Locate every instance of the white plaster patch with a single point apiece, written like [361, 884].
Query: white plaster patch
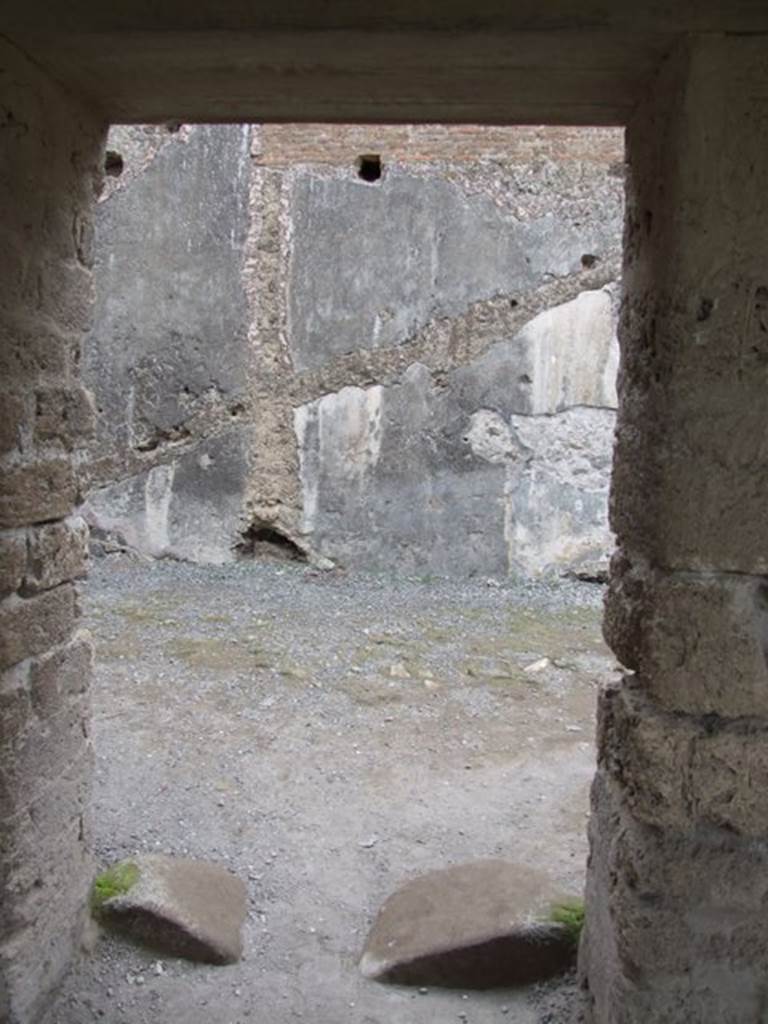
[556, 512]
[350, 430]
[158, 492]
[304, 425]
[339, 437]
[573, 354]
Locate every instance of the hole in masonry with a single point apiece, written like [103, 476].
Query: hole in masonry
[113, 163]
[588, 260]
[705, 310]
[369, 167]
[261, 540]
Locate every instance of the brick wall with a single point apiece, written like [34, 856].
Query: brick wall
[278, 145]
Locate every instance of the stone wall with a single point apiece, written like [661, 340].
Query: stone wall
[678, 871]
[415, 371]
[49, 167]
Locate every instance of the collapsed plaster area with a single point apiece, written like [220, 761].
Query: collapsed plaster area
[411, 368]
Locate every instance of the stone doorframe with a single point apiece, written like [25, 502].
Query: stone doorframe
[677, 929]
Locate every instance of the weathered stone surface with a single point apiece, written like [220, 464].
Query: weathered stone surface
[689, 481]
[31, 625]
[33, 351]
[170, 330]
[478, 925]
[182, 907]
[41, 747]
[66, 415]
[559, 359]
[48, 169]
[675, 920]
[676, 926]
[36, 493]
[697, 640]
[192, 506]
[372, 264]
[556, 497]
[13, 560]
[44, 873]
[518, 470]
[681, 771]
[57, 552]
[60, 674]
[13, 419]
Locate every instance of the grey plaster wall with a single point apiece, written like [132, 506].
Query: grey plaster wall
[371, 264]
[167, 358]
[416, 373]
[499, 465]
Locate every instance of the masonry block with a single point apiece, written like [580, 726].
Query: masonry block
[66, 415]
[678, 873]
[699, 641]
[682, 771]
[37, 492]
[51, 153]
[39, 748]
[675, 921]
[13, 560]
[32, 625]
[689, 483]
[57, 552]
[32, 352]
[45, 873]
[62, 673]
[12, 421]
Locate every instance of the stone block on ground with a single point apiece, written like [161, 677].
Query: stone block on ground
[181, 907]
[485, 924]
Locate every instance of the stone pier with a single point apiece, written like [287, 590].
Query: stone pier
[678, 877]
[49, 167]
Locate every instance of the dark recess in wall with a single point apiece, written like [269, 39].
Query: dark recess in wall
[262, 540]
[113, 163]
[369, 167]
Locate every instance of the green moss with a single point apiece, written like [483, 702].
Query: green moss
[115, 881]
[218, 653]
[570, 914]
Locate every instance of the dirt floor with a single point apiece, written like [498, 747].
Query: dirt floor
[328, 736]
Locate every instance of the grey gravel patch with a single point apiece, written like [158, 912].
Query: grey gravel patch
[246, 714]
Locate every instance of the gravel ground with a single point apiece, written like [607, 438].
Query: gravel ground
[328, 736]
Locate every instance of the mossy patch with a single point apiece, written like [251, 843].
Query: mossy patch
[555, 635]
[115, 881]
[570, 914]
[218, 653]
[371, 691]
[150, 613]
